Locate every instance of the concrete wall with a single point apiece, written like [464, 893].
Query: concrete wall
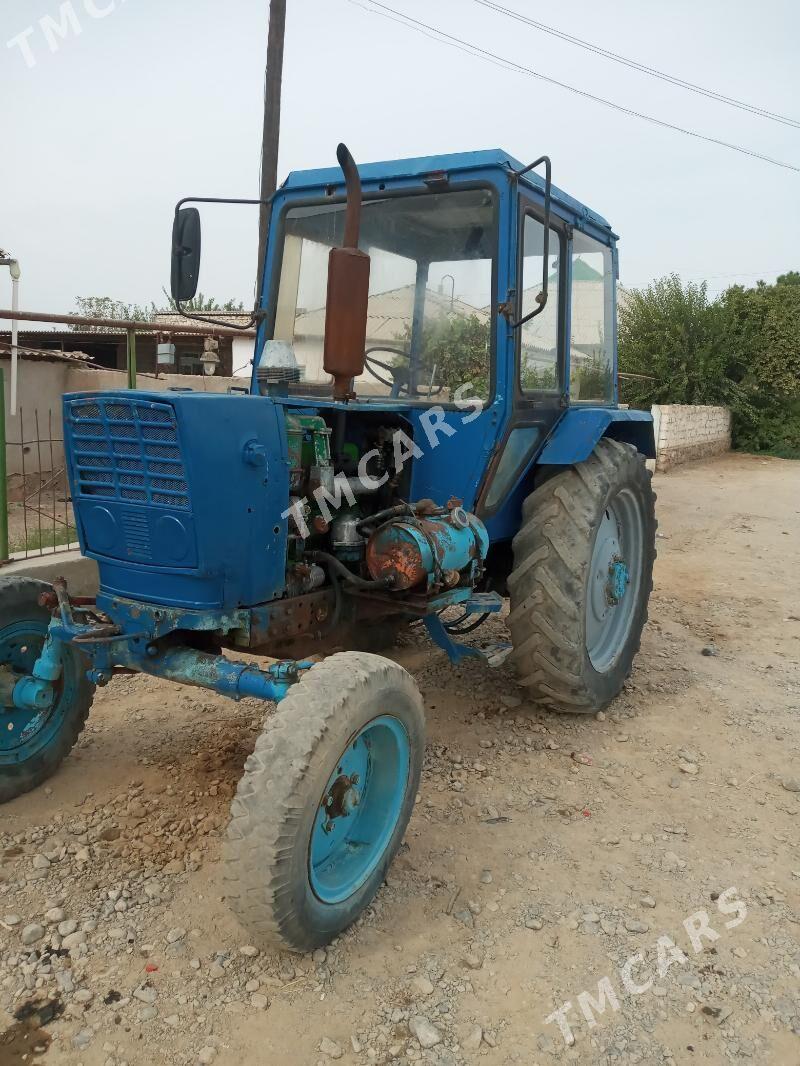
[41, 386]
[80, 573]
[685, 432]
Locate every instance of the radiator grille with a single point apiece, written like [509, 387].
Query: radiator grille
[127, 450]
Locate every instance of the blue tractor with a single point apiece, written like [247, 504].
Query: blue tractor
[432, 426]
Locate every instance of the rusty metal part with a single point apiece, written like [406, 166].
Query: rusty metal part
[348, 293]
[401, 562]
[343, 797]
[8, 681]
[426, 507]
[352, 218]
[299, 616]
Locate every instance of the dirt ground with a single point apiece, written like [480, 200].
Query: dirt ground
[544, 853]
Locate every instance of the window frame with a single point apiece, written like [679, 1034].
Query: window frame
[383, 193]
[561, 229]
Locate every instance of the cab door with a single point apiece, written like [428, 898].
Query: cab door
[539, 393]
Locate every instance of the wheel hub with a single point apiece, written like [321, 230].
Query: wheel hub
[618, 579]
[614, 579]
[359, 809]
[342, 800]
[24, 728]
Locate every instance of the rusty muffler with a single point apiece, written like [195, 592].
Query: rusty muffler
[348, 292]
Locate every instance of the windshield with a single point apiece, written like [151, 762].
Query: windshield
[430, 295]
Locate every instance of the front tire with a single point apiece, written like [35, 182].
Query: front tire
[325, 801]
[33, 745]
[582, 577]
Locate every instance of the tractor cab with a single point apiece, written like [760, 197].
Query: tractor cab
[489, 287]
[456, 242]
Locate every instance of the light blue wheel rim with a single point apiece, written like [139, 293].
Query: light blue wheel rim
[26, 734]
[615, 576]
[359, 810]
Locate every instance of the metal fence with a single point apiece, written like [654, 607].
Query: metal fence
[38, 510]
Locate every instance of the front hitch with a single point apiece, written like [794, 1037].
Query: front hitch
[106, 647]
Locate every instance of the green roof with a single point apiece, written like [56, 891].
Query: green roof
[581, 271]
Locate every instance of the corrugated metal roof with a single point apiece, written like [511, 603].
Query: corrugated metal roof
[172, 318]
[45, 355]
[111, 336]
[65, 334]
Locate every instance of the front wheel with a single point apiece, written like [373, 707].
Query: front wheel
[325, 800]
[34, 743]
[582, 577]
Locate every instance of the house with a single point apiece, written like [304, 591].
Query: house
[388, 318]
[107, 348]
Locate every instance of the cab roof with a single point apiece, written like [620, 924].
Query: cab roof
[419, 166]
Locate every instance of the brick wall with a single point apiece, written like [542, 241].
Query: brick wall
[685, 432]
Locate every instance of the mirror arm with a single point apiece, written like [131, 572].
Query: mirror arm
[541, 298]
[257, 315]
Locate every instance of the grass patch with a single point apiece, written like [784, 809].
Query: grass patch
[47, 538]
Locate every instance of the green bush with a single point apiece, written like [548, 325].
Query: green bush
[773, 428]
[741, 350]
[672, 337]
[762, 332]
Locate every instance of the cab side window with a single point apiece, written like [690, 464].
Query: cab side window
[538, 358]
[591, 341]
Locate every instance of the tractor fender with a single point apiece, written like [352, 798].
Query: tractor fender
[574, 438]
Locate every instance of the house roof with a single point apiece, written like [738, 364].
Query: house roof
[44, 355]
[389, 314]
[63, 334]
[108, 335]
[173, 319]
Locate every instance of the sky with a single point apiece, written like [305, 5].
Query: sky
[141, 102]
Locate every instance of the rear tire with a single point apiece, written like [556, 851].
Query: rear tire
[582, 577]
[28, 761]
[299, 868]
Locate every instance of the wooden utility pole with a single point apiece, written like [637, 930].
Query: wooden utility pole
[272, 125]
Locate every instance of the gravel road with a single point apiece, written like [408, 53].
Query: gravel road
[642, 866]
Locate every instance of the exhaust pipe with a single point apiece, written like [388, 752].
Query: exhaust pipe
[348, 293]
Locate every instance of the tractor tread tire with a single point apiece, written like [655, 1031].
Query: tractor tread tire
[18, 595]
[552, 552]
[281, 784]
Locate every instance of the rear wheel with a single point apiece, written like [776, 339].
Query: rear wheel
[325, 800]
[34, 743]
[583, 573]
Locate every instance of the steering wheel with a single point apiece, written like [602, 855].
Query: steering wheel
[400, 376]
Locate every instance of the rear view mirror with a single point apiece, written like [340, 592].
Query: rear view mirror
[185, 253]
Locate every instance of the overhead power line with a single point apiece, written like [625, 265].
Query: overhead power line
[642, 67]
[509, 64]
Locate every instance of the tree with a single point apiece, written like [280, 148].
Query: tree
[105, 307]
[762, 335]
[741, 350]
[457, 347]
[204, 305]
[672, 338]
